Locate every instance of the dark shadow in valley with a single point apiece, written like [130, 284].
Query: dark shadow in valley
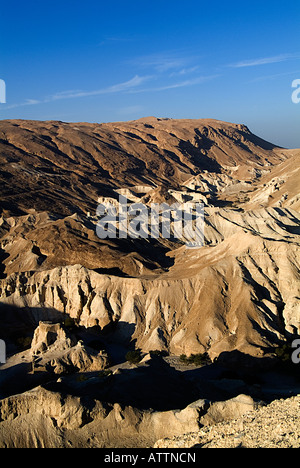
[154, 384]
[152, 253]
[115, 271]
[197, 157]
[3, 256]
[158, 386]
[18, 324]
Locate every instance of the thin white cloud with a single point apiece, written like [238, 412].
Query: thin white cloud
[135, 82]
[273, 77]
[181, 84]
[264, 61]
[27, 102]
[118, 88]
[131, 86]
[164, 62]
[185, 71]
[186, 83]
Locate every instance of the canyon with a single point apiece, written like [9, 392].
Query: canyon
[72, 305]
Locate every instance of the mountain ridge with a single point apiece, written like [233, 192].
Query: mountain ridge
[70, 160]
[72, 305]
[58, 172]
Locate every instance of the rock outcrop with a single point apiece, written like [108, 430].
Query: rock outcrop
[274, 426]
[43, 418]
[72, 304]
[57, 351]
[248, 272]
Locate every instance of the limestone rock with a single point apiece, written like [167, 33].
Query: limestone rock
[276, 425]
[239, 291]
[221, 411]
[59, 351]
[47, 419]
[237, 295]
[50, 336]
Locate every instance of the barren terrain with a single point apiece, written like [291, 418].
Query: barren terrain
[72, 305]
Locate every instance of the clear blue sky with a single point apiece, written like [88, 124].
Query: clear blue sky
[118, 60]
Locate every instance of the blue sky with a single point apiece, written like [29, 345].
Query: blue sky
[108, 61]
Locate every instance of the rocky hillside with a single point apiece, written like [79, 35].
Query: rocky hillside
[63, 168]
[72, 305]
[274, 426]
[167, 297]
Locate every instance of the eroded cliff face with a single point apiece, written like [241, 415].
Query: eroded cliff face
[52, 421]
[69, 301]
[207, 301]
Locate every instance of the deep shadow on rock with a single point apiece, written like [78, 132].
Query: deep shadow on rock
[154, 386]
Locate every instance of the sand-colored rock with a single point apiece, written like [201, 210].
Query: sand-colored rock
[228, 410]
[237, 295]
[248, 272]
[50, 336]
[57, 162]
[273, 426]
[51, 420]
[58, 351]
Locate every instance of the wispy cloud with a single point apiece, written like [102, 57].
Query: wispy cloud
[27, 102]
[180, 84]
[132, 86]
[264, 61]
[163, 71]
[185, 71]
[118, 88]
[171, 69]
[273, 77]
[164, 61]
[192, 82]
[129, 85]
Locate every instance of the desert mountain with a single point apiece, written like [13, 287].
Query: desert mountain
[67, 166]
[72, 304]
[239, 291]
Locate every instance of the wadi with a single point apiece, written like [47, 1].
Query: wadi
[121, 341]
